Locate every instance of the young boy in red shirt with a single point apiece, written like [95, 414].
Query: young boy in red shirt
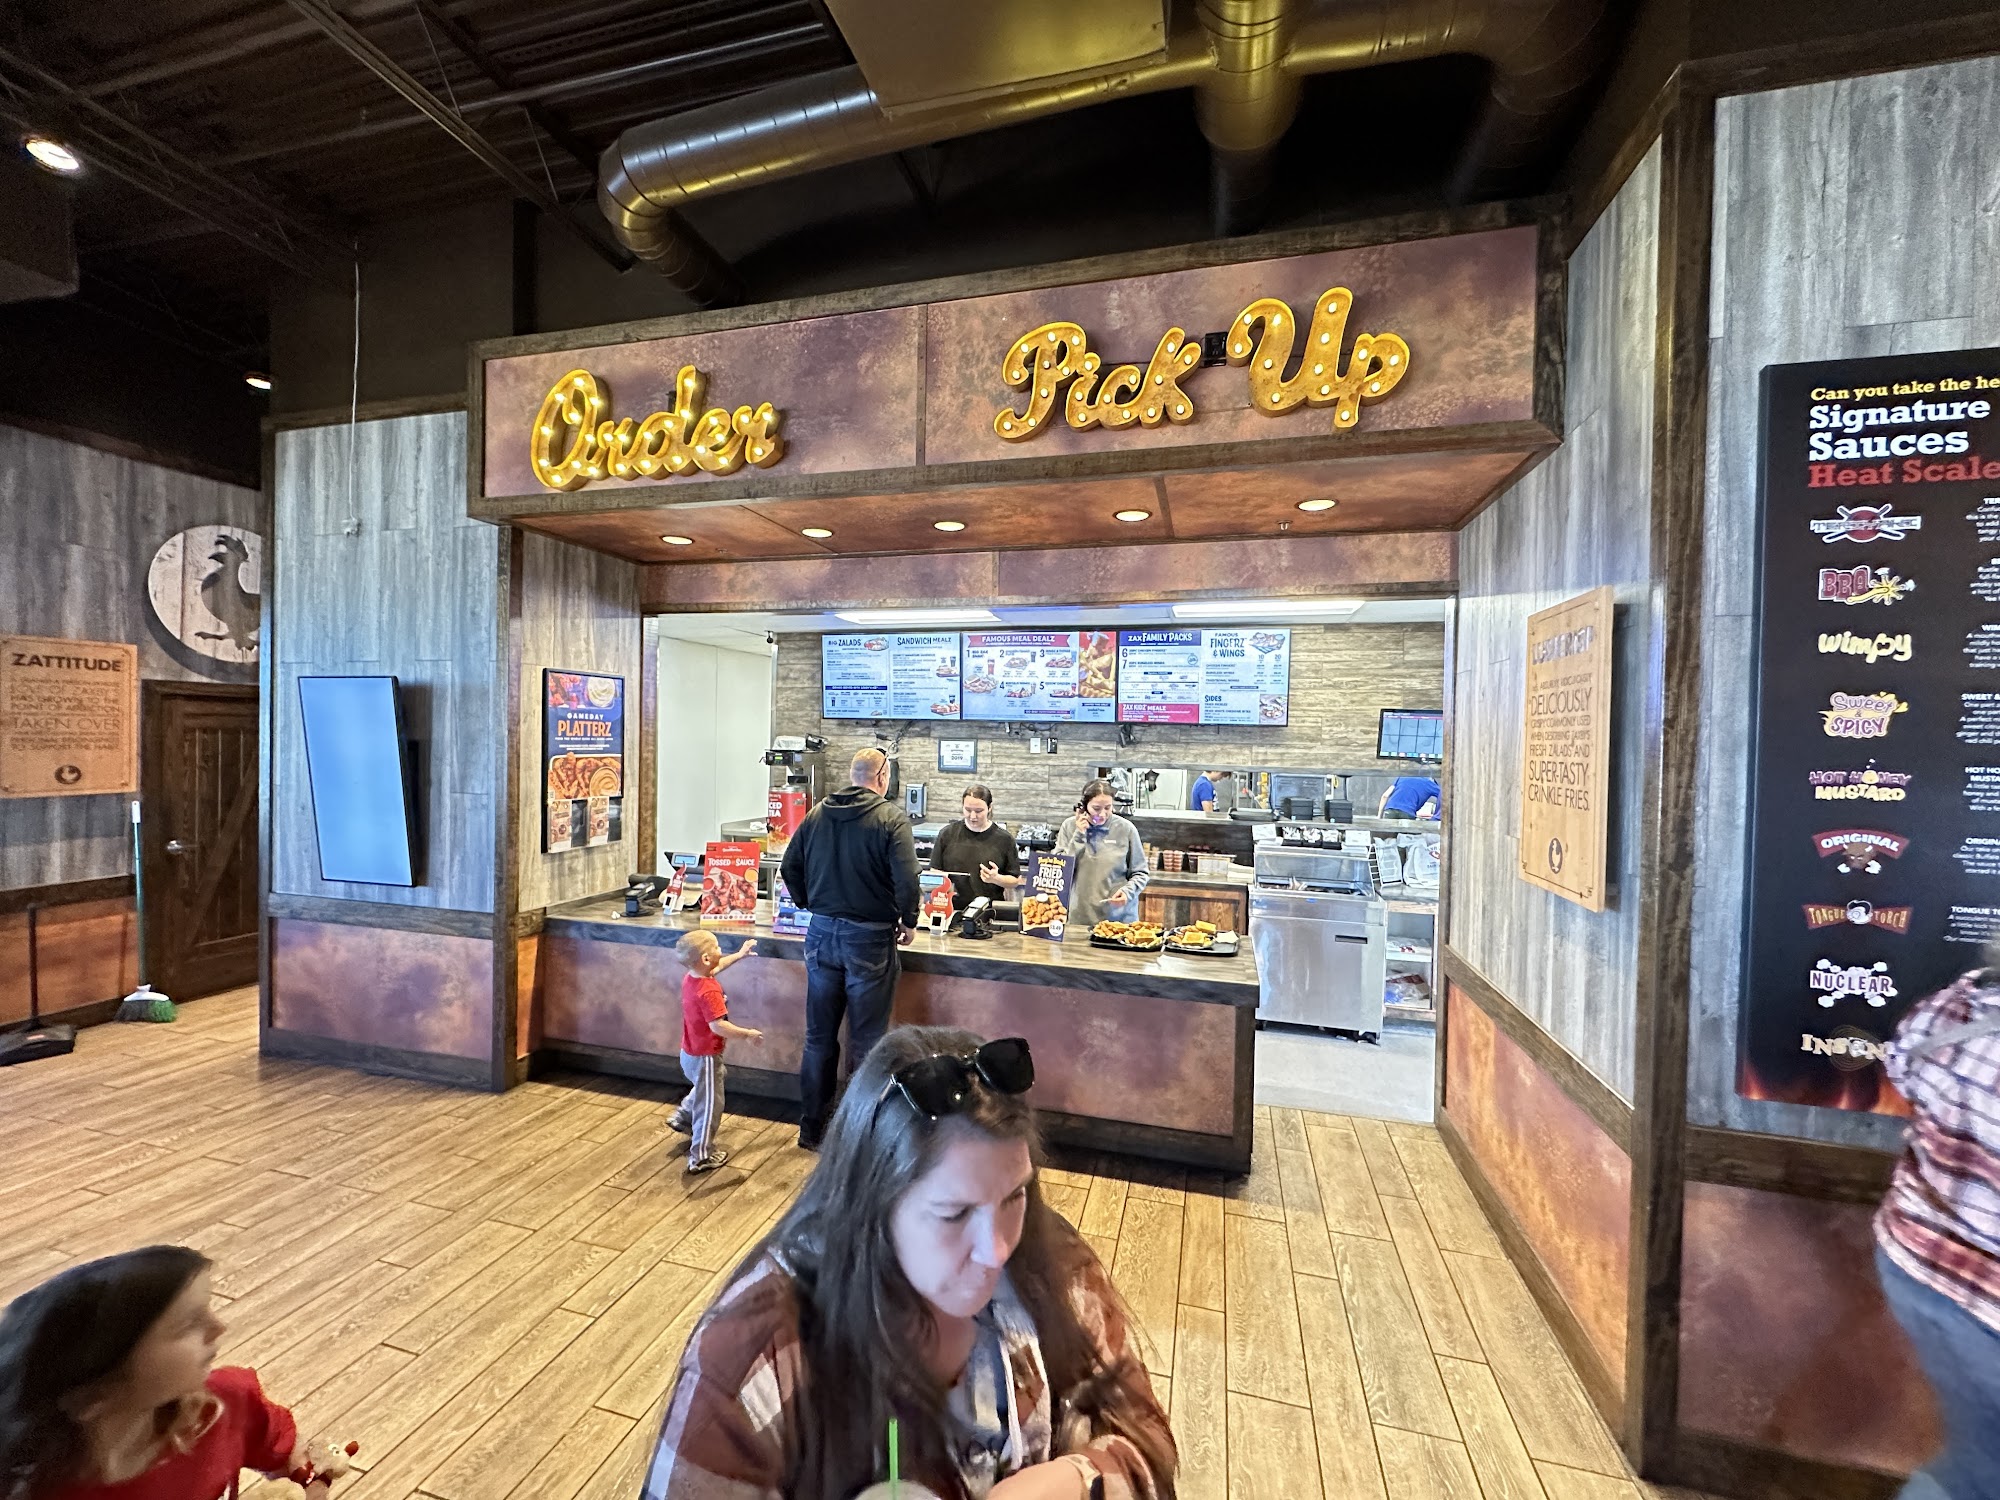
[705, 1030]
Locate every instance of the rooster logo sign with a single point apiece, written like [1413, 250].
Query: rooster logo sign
[205, 585]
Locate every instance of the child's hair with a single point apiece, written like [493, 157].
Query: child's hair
[74, 1330]
[693, 943]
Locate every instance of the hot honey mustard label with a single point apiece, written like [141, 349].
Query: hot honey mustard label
[1871, 882]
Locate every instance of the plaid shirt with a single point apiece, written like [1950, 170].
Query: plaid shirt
[731, 1430]
[1941, 1219]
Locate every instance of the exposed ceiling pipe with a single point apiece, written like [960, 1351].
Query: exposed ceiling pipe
[1245, 59]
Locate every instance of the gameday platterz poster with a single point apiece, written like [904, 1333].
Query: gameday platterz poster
[1874, 872]
[583, 760]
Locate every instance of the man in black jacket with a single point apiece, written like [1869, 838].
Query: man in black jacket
[853, 865]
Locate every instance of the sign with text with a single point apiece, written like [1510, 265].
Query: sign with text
[1566, 748]
[69, 717]
[583, 760]
[1874, 861]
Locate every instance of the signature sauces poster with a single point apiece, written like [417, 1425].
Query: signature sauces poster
[583, 760]
[1874, 873]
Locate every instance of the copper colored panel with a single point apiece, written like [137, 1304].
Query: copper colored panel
[418, 991]
[1420, 492]
[628, 995]
[938, 578]
[1465, 304]
[85, 952]
[1076, 513]
[1564, 1180]
[846, 386]
[1785, 1339]
[527, 1000]
[717, 532]
[1408, 561]
[1110, 1057]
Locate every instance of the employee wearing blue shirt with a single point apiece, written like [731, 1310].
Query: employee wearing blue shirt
[1202, 797]
[1412, 797]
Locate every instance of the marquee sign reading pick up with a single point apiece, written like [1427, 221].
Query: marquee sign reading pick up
[1045, 359]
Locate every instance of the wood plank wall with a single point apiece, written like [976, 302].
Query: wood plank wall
[579, 612]
[1578, 521]
[1852, 218]
[380, 571]
[82, 528]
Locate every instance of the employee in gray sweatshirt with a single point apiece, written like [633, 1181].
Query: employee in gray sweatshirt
[1110, 862]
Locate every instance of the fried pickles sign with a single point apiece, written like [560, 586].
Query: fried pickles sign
[1566, 748]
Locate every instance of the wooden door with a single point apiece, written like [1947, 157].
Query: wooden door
[198, 779]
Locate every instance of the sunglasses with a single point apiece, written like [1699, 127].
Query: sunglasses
[940, 1084]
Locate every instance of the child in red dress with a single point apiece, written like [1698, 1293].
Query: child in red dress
[108, 1390]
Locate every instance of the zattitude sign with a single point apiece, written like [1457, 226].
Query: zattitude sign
[1878, 687]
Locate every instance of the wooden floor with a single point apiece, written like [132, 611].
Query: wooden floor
[490, 1292]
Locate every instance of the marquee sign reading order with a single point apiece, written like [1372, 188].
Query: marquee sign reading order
[1044, 360]
[574, 423]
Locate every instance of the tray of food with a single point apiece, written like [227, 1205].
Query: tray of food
[1203, 937]
[1133, 937]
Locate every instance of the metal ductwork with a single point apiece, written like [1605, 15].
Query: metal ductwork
[1246, 60]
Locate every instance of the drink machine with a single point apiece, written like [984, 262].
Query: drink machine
[798, 780]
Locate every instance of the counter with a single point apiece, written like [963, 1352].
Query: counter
[1146, 1054]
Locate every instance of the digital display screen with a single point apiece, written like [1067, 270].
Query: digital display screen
[1411, 734]
[354, 761]
[886, 674]
[1051, 676]
[1237, 675]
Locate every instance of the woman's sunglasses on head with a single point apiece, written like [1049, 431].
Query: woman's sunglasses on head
[941, 1084]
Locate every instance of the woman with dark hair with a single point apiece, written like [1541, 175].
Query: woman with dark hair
[978, 848]
[919, 1277]
[108, 1390]
[1110, 861]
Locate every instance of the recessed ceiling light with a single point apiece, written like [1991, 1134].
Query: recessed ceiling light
[257, 382]
[817, 533]
[1132, 515]
[948, 525]
[919, 616]
[1317, 505]
[1265, 609]
[678, 541]
[52, 154]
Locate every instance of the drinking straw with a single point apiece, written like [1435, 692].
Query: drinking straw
[895, 1460]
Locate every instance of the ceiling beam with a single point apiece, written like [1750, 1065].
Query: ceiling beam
[345, 36]
[34, 99]
[502, 78]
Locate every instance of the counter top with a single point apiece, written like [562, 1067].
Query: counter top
[1006, 957]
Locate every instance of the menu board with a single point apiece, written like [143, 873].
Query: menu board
[1053, 675]
[1235, 676]
[583, 760]
[1874, 874]
[886, 675]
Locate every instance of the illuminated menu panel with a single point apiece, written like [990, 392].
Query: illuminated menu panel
[1053, 675]
[889, 675]
[1232, 676]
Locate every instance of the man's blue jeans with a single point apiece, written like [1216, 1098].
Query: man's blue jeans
[1961, 1358]
[851, 970]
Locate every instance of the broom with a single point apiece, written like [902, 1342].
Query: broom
[145, 1003]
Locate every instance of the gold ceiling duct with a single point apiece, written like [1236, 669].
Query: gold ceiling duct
[1245, 60]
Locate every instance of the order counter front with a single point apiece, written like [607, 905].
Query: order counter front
[1145, 1054]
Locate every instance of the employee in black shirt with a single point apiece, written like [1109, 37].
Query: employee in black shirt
[979, 847]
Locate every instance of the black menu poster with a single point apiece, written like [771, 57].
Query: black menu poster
[1874, 873]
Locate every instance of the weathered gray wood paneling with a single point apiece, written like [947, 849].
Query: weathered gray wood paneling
[380, 571]
[579, 612]
[1859, 217]
[1343, 676]
[81, 530]
[1578, 521]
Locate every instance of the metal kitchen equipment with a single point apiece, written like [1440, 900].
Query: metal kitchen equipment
[1321, 936]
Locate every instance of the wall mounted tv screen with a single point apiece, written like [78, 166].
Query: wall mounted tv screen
[360, 790]
[1238, 675]
[1411, 734]
[1041, 676]
[886, 674]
